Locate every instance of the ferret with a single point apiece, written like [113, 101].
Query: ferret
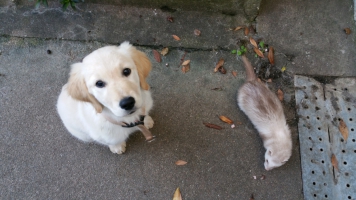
[265, 111]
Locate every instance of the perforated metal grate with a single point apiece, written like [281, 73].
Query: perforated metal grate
[320, 109]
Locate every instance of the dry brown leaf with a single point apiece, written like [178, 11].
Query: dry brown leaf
[271, 55]
[343, 130]
[219, 65]
[258, 52]
[176, 37]
[253, 42]
[185, 68]
[263, 177]
[234, 73]
[280, 94]
[157, 56]
[238, 28]
[225, 119]
[334, 162]
[181, 162]
[197, 32]
[222, 70]
[247, 30]
[164, 51]
[347, 31]
[186, 62]
[212, 126]
[170, 19]
[177, 195]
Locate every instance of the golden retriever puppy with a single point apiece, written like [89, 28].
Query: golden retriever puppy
[107, 96]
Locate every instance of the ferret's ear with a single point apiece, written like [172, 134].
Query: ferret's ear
[78, 89]
[143, 65]
[270, 152]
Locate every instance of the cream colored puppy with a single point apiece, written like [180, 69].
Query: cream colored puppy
[107, 96]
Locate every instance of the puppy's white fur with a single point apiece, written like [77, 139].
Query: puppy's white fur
[82, 105]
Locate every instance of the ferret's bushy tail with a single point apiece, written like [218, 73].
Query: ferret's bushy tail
[250, 72]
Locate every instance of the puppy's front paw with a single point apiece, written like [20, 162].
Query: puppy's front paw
[119, 148]
[148, 121]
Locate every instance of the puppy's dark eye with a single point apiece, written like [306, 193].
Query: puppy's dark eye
[100, 84]
[126, 72]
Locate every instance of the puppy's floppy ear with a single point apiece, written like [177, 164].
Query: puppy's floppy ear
[143, 65]
[78, 90]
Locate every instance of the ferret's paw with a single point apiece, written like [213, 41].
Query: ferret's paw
[119, 148]
[148, 121]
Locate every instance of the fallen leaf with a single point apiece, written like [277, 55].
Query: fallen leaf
[222, 70]
[253, 42]
[181, 162]
[280, 94]
[225, 119]
[334, 162]
[212, 126]
[164, 51]
[219, 64]
[186, 62]
[258, 52]
[263, 177]
[271, 55]
[197, 32]
[176, 37]
[170, 19]
[157, 55]
[347, 31]
[343, 130]
[283, 68]
[238, 28]
[185, 68]
[247, 31]
[234, 73]
[177, 195]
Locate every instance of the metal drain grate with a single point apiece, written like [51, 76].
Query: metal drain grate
[320, 109]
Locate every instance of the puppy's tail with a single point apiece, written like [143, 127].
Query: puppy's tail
[250, 72]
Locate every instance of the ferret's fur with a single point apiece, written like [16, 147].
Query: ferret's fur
[265, 111]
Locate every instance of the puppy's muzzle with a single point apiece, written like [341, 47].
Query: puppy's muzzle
[127, 103]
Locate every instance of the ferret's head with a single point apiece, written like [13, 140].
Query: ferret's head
[278, 153]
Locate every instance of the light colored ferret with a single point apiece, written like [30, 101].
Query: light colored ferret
[265, 111]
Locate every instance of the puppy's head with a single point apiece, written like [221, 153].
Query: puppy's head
[111, 77]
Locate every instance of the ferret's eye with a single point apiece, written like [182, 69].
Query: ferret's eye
[266, 161]
[126, 72]
[100, 84]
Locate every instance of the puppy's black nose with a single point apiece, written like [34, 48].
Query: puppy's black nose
[127, 103]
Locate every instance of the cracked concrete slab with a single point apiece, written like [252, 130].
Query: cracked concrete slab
[114, 24]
